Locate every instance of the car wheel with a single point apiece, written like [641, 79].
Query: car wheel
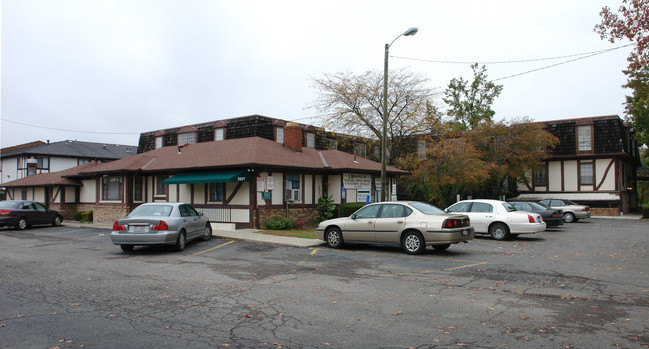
[127, 248]
[334, 237]
[57, 221]
[499, 231]
[441, 247]
[413, 243]
[569, 217]
[180, 241]
[207, 234]
[22, 224]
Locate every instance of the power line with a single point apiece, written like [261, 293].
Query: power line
[514, 61]
[78, 131]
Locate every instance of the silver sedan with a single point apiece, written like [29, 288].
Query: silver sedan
[168, 223]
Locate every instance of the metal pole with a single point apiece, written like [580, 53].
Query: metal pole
[384, 134]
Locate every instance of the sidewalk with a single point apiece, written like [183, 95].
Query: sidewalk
[240, 234]
[630, 216]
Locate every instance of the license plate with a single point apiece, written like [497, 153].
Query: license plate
[139, 229]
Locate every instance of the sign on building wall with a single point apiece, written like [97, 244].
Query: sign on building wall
[270, 183]
[261, 184]
[357, 181]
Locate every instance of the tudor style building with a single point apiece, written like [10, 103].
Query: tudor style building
[236, 180]
[594, 163]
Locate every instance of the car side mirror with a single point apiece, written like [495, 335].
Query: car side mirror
[353, 216]
[200, 214]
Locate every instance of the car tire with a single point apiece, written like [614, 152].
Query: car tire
[413, 243]
[127, 248]
[22, 224]
[334, 237]
[441, 247]
[207, 234]
[57, 221]
[569, 217]
[180, 241]
[499, 231]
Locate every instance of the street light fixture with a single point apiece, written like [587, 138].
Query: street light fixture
[384, 135]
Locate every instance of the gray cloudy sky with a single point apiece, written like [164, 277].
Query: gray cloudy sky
[106, 70]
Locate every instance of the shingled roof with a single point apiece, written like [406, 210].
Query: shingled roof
[77, 149]
[238, 153]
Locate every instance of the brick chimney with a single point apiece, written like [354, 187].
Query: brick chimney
[293, 136]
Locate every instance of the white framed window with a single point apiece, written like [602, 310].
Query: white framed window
[332, 144]
[219, 134]
[280, 135]
[360, 150]
[310, 140]
[187, 138]
[216, 191]
[160, 188]
[584, 138]
[159, 142]
[541, 176]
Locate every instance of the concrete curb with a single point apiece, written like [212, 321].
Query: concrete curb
[241, 234]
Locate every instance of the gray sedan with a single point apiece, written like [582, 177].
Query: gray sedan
[168, 223]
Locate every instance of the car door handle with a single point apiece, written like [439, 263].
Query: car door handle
[399, 222]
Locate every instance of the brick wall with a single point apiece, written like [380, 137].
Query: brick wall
[597, 211]
[305, 214]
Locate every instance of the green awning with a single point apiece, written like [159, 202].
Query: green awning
[221, 177]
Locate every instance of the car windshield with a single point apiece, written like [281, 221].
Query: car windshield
[152, 210]
[426, 208]
[7, 204]
[509, 207]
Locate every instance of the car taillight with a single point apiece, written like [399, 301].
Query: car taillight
[530, 218]
[4, 212]
[162, 226]
[117, 226]
[455, 223]
[586, 209]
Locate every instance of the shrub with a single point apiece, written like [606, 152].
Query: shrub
[86, 216]
[325, 208]
[645, 211]
[277, 222]
[78, 216]
[299, 225]
[351, 207]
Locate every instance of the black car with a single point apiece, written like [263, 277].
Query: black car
[551, 217]
[23, 213]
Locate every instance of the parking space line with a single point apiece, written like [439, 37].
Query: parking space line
[465, 266]
[213, 248]
[68, 231]
[315, 250]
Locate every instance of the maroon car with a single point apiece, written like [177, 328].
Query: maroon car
[24, 213]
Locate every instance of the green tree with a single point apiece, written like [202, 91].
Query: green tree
[470, 102]
[353, 104]
[632, 22]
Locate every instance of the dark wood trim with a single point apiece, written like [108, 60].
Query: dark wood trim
[234, 192]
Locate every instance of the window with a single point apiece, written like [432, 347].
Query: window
[219, 134]
[187, 138]
[310, 140]
[586, 173]
[481, 207]
[138, 185]
[112, 188]
[360, 150]
[460, 207]
[421, 149]
[159, 142]
[541, 176]
[39, 207]
[187, 211]
[392, 211]
[216, 192]
[160, 188]
[42, 162]
[584, 139]
[292, 187]
[368, 211]
[82, 161]
[332, 144]
[23, 194]
[280, 135]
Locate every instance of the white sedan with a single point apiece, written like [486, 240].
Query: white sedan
[499, 219]
[411, 225]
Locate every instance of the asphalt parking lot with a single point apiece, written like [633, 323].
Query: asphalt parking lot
[584, 285]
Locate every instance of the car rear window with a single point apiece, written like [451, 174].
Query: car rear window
[6, 204]
[152, 210]
[426, 208]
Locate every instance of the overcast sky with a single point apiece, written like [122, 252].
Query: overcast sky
[106, 70]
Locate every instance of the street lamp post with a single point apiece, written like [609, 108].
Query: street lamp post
[384, 135]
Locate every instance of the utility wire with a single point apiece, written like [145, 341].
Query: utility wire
[79, 131]
[515, 61]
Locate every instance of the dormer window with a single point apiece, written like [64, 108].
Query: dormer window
[187, 135]
[310, 140]
[279, 137]
[159, 142]
[584, 138]
[219, 134]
